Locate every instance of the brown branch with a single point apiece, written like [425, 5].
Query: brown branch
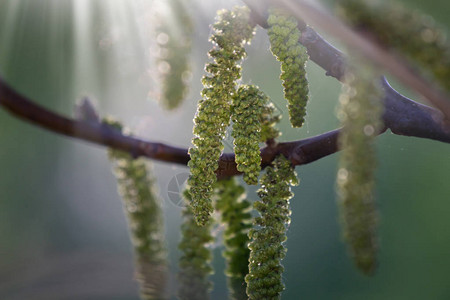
[402, 116]
[397, 66]
[101, 134]
[300, 152]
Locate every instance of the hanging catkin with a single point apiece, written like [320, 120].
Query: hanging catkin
[403, 30]
[269, 234]
[360, 114]
[247, 108]
[268, 121]
[253, 122]
[236, 217]
[173, 36]
[284, 35]
[231, 31]
[195, 261]
[143, 210]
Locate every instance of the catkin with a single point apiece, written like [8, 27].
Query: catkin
[231, 31]
[269, 234]
[360, 114]
[253, 122]
[144, 214]
[173, 36]
[195, 261]
[405, 31]
[268, 120]
[247, 109]
[236, 217]
[284, 35]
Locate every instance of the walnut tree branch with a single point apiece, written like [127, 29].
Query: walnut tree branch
[23, 108]
[312, 14]
[402, 116]
[300, 152]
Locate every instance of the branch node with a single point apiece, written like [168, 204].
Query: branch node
[297, 156]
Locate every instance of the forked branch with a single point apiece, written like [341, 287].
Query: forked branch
[402, 116]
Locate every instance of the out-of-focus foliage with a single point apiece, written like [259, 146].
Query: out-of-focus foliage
[235, 214]
[173, 35]
[195, 261]
[408, 32]
[360, 113]
[143, 210]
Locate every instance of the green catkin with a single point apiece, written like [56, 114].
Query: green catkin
[173, 36]
[360, 114]
[267, 238]
[247, 109]
[236, 217]
[268, 121]
[407, 32]
[284, 35]
[195, 261]
[231, 32]
[253, 122]
[144, 214]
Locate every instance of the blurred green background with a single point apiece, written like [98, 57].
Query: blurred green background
[63, 234]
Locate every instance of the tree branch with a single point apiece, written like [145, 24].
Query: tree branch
[300, 152]
[397, 66]
[402, 116]
[98, 133]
